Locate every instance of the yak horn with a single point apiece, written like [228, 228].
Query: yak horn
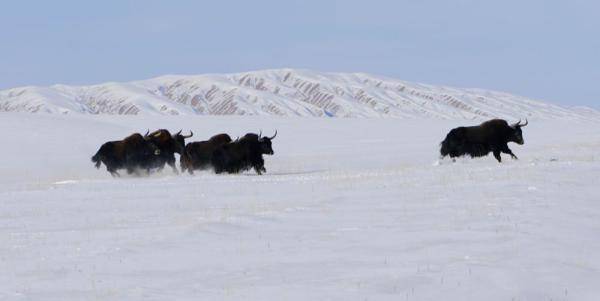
[260, 134]
[518, 124]
[156, 133]
[178, 133]
[188, 136]
[271, 138]
[147, 132]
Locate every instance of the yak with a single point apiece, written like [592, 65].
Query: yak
[168, 145]
[478, 141]
[132, 153]
[198, 155]
[243, 154]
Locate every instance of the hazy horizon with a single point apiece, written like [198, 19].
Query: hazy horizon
[543, 50]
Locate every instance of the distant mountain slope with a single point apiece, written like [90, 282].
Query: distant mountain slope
[284, 92]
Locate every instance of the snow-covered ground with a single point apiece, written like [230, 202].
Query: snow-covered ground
[350, 209]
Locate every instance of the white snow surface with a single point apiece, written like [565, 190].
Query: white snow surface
[349, 209]
[284, 92]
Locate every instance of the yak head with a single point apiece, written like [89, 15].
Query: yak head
[147, 146]
[170, 142]
[265, 144]
[517, 134]
[179, 140]
[153, 148]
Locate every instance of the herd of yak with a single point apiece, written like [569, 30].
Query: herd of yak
[153, 151]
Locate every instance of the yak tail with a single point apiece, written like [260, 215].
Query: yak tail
[97, 159]
[453, 143]
[444, 151]
[446, 147]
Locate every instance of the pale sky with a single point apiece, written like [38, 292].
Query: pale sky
[548, 50]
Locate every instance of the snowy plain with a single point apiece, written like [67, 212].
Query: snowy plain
[349, 209]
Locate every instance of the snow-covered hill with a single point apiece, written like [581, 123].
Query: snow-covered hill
[284, 92]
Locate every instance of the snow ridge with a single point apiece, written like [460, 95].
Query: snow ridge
[284, 92]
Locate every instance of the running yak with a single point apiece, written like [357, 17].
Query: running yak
[478, 141]
[198, 155]
[168, 145]
[243, 154]
[133, 153]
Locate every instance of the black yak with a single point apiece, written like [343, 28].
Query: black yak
[198, 155]
[243, 154]
[168, 145]
[478, 141]
[132, 153]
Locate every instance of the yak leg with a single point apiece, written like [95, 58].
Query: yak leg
[189, 168]
[175, 170]
[130, 170]
[497, 155]
[134, 170]
[148, 169]
[507, 150]
[259, 166]
[113, 172]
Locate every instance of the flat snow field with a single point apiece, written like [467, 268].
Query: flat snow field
[349, 209]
